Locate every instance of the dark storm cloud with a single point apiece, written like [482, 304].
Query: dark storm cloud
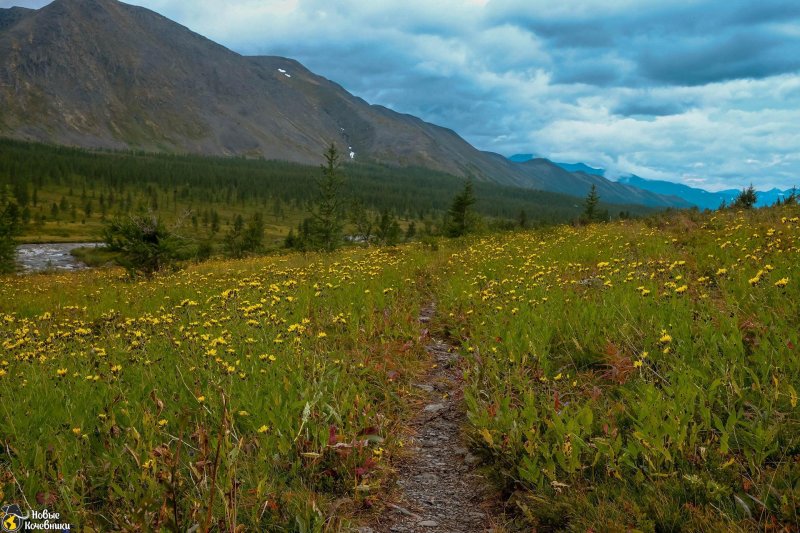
[701, 61]
[691, 44]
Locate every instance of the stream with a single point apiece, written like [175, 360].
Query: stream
[54, 256]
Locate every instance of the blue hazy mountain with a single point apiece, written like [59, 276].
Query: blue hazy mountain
[580, 167]
[698, 197]
[521, 158]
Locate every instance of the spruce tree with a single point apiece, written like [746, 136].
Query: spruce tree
[328, 214]
[460, 212]
[747, 198]
[590, 205]
[411, 231]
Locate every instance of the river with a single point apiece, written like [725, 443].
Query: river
[55, 256]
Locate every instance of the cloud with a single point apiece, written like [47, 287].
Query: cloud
[688, 90]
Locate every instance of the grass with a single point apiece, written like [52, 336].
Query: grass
[639, 375]
[254, 388]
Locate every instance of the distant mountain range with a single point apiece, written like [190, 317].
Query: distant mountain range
[692, 195]
[104, 74]
[699, 197]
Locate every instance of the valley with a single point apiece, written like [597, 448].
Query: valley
[638, 374]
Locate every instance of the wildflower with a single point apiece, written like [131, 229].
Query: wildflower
[243, 413]
[666, 338]
[681, 289]
[263, 429]
[782, 282]
[76, 431]
[61, 372]
[116, 369]
[755, 280]
[201, 399]
[322, 335]
[162, 423]
[722, 271]
[637, 364]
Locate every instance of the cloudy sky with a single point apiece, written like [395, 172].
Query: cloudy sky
[706, 92]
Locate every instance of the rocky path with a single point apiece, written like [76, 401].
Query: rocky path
[439, 489]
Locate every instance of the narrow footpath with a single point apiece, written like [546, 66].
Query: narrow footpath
[439, 489]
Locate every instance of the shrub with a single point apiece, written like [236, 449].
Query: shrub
[9, 228]
[144, 244]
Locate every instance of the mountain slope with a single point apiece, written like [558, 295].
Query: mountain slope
[104, 74]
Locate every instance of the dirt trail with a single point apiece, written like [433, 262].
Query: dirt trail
[439, 488]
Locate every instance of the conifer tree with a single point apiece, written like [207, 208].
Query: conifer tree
[459, 215]
[747, 198]
[327, 216]
[9, 228]
[590, 205]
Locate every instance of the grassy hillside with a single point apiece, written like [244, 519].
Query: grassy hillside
[69, 193]
[639, 375]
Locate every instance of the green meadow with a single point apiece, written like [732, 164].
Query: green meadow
[636, 375]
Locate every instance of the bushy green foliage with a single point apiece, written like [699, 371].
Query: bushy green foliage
[144, 244]
[9, 227]
[362, 222]
[245, 238]
[387, 230]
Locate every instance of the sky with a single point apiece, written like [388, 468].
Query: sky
[703, 92]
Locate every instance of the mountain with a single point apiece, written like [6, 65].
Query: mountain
[580, 167]
[104, 74]
[699, 197]
[563, 181]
